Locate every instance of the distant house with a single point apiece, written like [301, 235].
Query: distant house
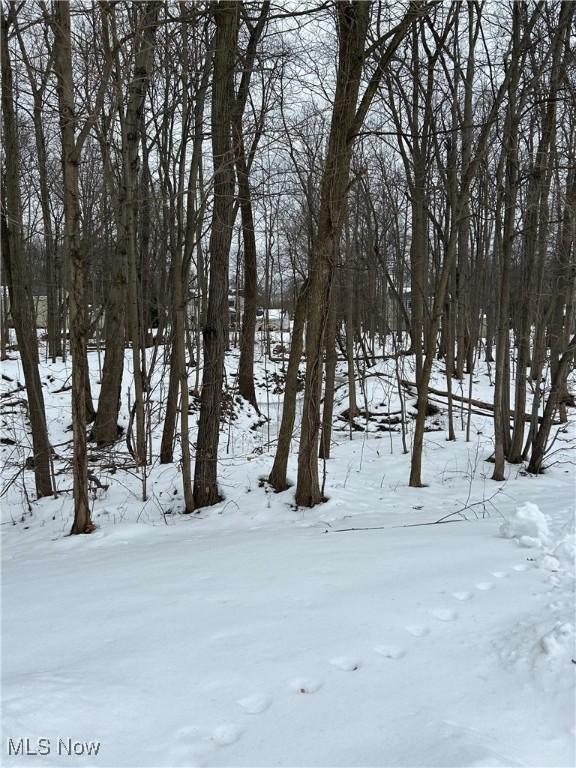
[95, 314]
[395, 317]
[235, 309]
[272, 320]
[40, 308]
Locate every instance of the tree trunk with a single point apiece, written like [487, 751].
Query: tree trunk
[18, 278]
[353, 25]
[277, 478]
[124, 280]
[538, 188]
[248, 330]
[563, 285]
[226, 17]
[504, 248]
[541, 439]
[346, 122]
[77, 299]
[331, 359]
[167, 443]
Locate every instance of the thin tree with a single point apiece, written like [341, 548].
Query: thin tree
[18, 276]
[71, 155]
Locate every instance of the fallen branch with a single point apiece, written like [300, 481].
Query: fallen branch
[476, 403]
[388, 527]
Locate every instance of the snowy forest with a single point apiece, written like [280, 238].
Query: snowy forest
[287, 402]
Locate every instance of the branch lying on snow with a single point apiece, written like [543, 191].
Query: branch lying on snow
[446, 518]
[388, 527]
[476, 403]
[441, 521]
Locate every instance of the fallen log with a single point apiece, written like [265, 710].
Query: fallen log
[469, 401]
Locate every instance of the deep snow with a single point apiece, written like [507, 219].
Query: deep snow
[258, 634]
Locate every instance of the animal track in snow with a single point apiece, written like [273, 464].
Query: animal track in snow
[390, 651]
[346, 663]
[444, 614]
[305, 685]
[226, 734]
[499, 574]
[417, 630]
[484, 586]
[520, 567]
[255, 704]
[463, 595]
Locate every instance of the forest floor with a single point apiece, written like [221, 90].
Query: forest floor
[358, 633]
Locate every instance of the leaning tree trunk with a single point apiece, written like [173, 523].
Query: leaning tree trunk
[226, 17]
[18, 279]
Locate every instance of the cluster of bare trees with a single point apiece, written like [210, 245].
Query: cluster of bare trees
[400, 171]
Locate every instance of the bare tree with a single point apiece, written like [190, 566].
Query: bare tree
[72, 144]
[347, 119]
[226, 18]
[17, 274]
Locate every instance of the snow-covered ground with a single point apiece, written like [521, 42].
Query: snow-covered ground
[358, 633]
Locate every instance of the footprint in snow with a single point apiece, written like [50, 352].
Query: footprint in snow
[255, 704]
[520, 567]
[484, 586]
[463, 595]
[390, 651]
[499, 574]
[226, 734]
[418, 630]
[305, 685]
[191, 748]
[444, 614]
[346, 663]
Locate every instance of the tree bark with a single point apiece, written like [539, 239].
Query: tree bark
[352, 26]
[541, 439]
[331, 359]
[538, 188]
[226, 17]
[125, 277]
[77, 299]
[18, 277]
[277, 478]
[248, 329]
[346, 121]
